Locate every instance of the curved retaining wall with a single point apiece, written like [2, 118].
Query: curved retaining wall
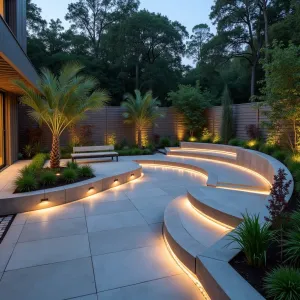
[23, 202]
[212, 266]
[261, 163]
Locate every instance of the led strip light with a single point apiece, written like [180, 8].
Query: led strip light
[230, 164]
[176, 168]
[190, 274]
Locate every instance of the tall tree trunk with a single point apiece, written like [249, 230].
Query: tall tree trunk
[55, 154]
[266, 32]
[253, 78]
[137, 76]
[140, 138]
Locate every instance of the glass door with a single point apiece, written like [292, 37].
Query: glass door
[2, 132]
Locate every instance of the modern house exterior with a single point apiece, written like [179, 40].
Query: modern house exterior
[14, 64]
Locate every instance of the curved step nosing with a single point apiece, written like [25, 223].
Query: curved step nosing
[201, 155]
[187, 259]
[214, 213]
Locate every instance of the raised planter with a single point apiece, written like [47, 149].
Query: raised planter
[23, 202]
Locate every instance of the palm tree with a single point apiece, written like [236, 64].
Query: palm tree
[141, 111]
[62, 101]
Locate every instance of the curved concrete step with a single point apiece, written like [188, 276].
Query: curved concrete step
[226, 206]
[189, 233]
[203, 153]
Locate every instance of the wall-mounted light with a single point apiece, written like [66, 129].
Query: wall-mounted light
[91, 189]
[44, 200]
[116, 180]
[132, 175]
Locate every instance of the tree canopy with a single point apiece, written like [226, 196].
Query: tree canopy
[127, 48]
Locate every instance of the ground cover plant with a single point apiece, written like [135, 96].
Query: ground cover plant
[35, 177]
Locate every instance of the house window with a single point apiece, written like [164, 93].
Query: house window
[2, 132]
[11, 14]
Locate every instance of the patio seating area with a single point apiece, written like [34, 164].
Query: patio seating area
[160, 235]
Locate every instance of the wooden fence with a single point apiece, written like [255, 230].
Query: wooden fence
[243, 114]
[108, 123]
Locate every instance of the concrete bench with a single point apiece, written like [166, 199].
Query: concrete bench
[94, 152]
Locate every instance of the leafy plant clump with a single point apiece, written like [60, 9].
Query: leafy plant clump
[72, 165]
[279, 191]
[253, 239]
[26, 183]
[283, 283]
[85, 171]
[207, 136]
[48, 178]
[70, 175]
[235, 142]
[279, 155]
[164, 142]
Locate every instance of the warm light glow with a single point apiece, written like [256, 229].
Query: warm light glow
[296, 157]
[210, 219]
[190, 274]
[192, 139]
[116, 180]
[91, 190]
[253, 191]
[205, 150]
[175, 168]
[252, 143]
[229, 164]
[57, 174]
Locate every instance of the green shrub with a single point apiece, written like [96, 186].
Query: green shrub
[164, 142]
[206, 136]
[235, 142]
[252, 144]
[26, 183]
[72, 165]
[27, 170]
[48, 178]
[69, 175]
[292, 246]
[253, 239]
[136, 151]
[28, 151]
[283, 283]
[86, 171]
[38, 161]
[268, 149]
[279, 155]
[147, 152]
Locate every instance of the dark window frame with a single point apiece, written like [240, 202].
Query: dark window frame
[4, 130]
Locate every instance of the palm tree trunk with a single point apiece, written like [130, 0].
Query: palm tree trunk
[55, 155]
[140, 138]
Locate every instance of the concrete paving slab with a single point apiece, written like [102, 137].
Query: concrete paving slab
[114, 221]
[12, 235]
[124, 268]
[66, 211]
[53, 229]
[5, 254]
[57, 281]
[153, 215]
[148, 201]
[104, 208]
[177, 287]
[49, 251]
[154, 192]
[108, 241]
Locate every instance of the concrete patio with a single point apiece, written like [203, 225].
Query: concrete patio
[109, 245]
